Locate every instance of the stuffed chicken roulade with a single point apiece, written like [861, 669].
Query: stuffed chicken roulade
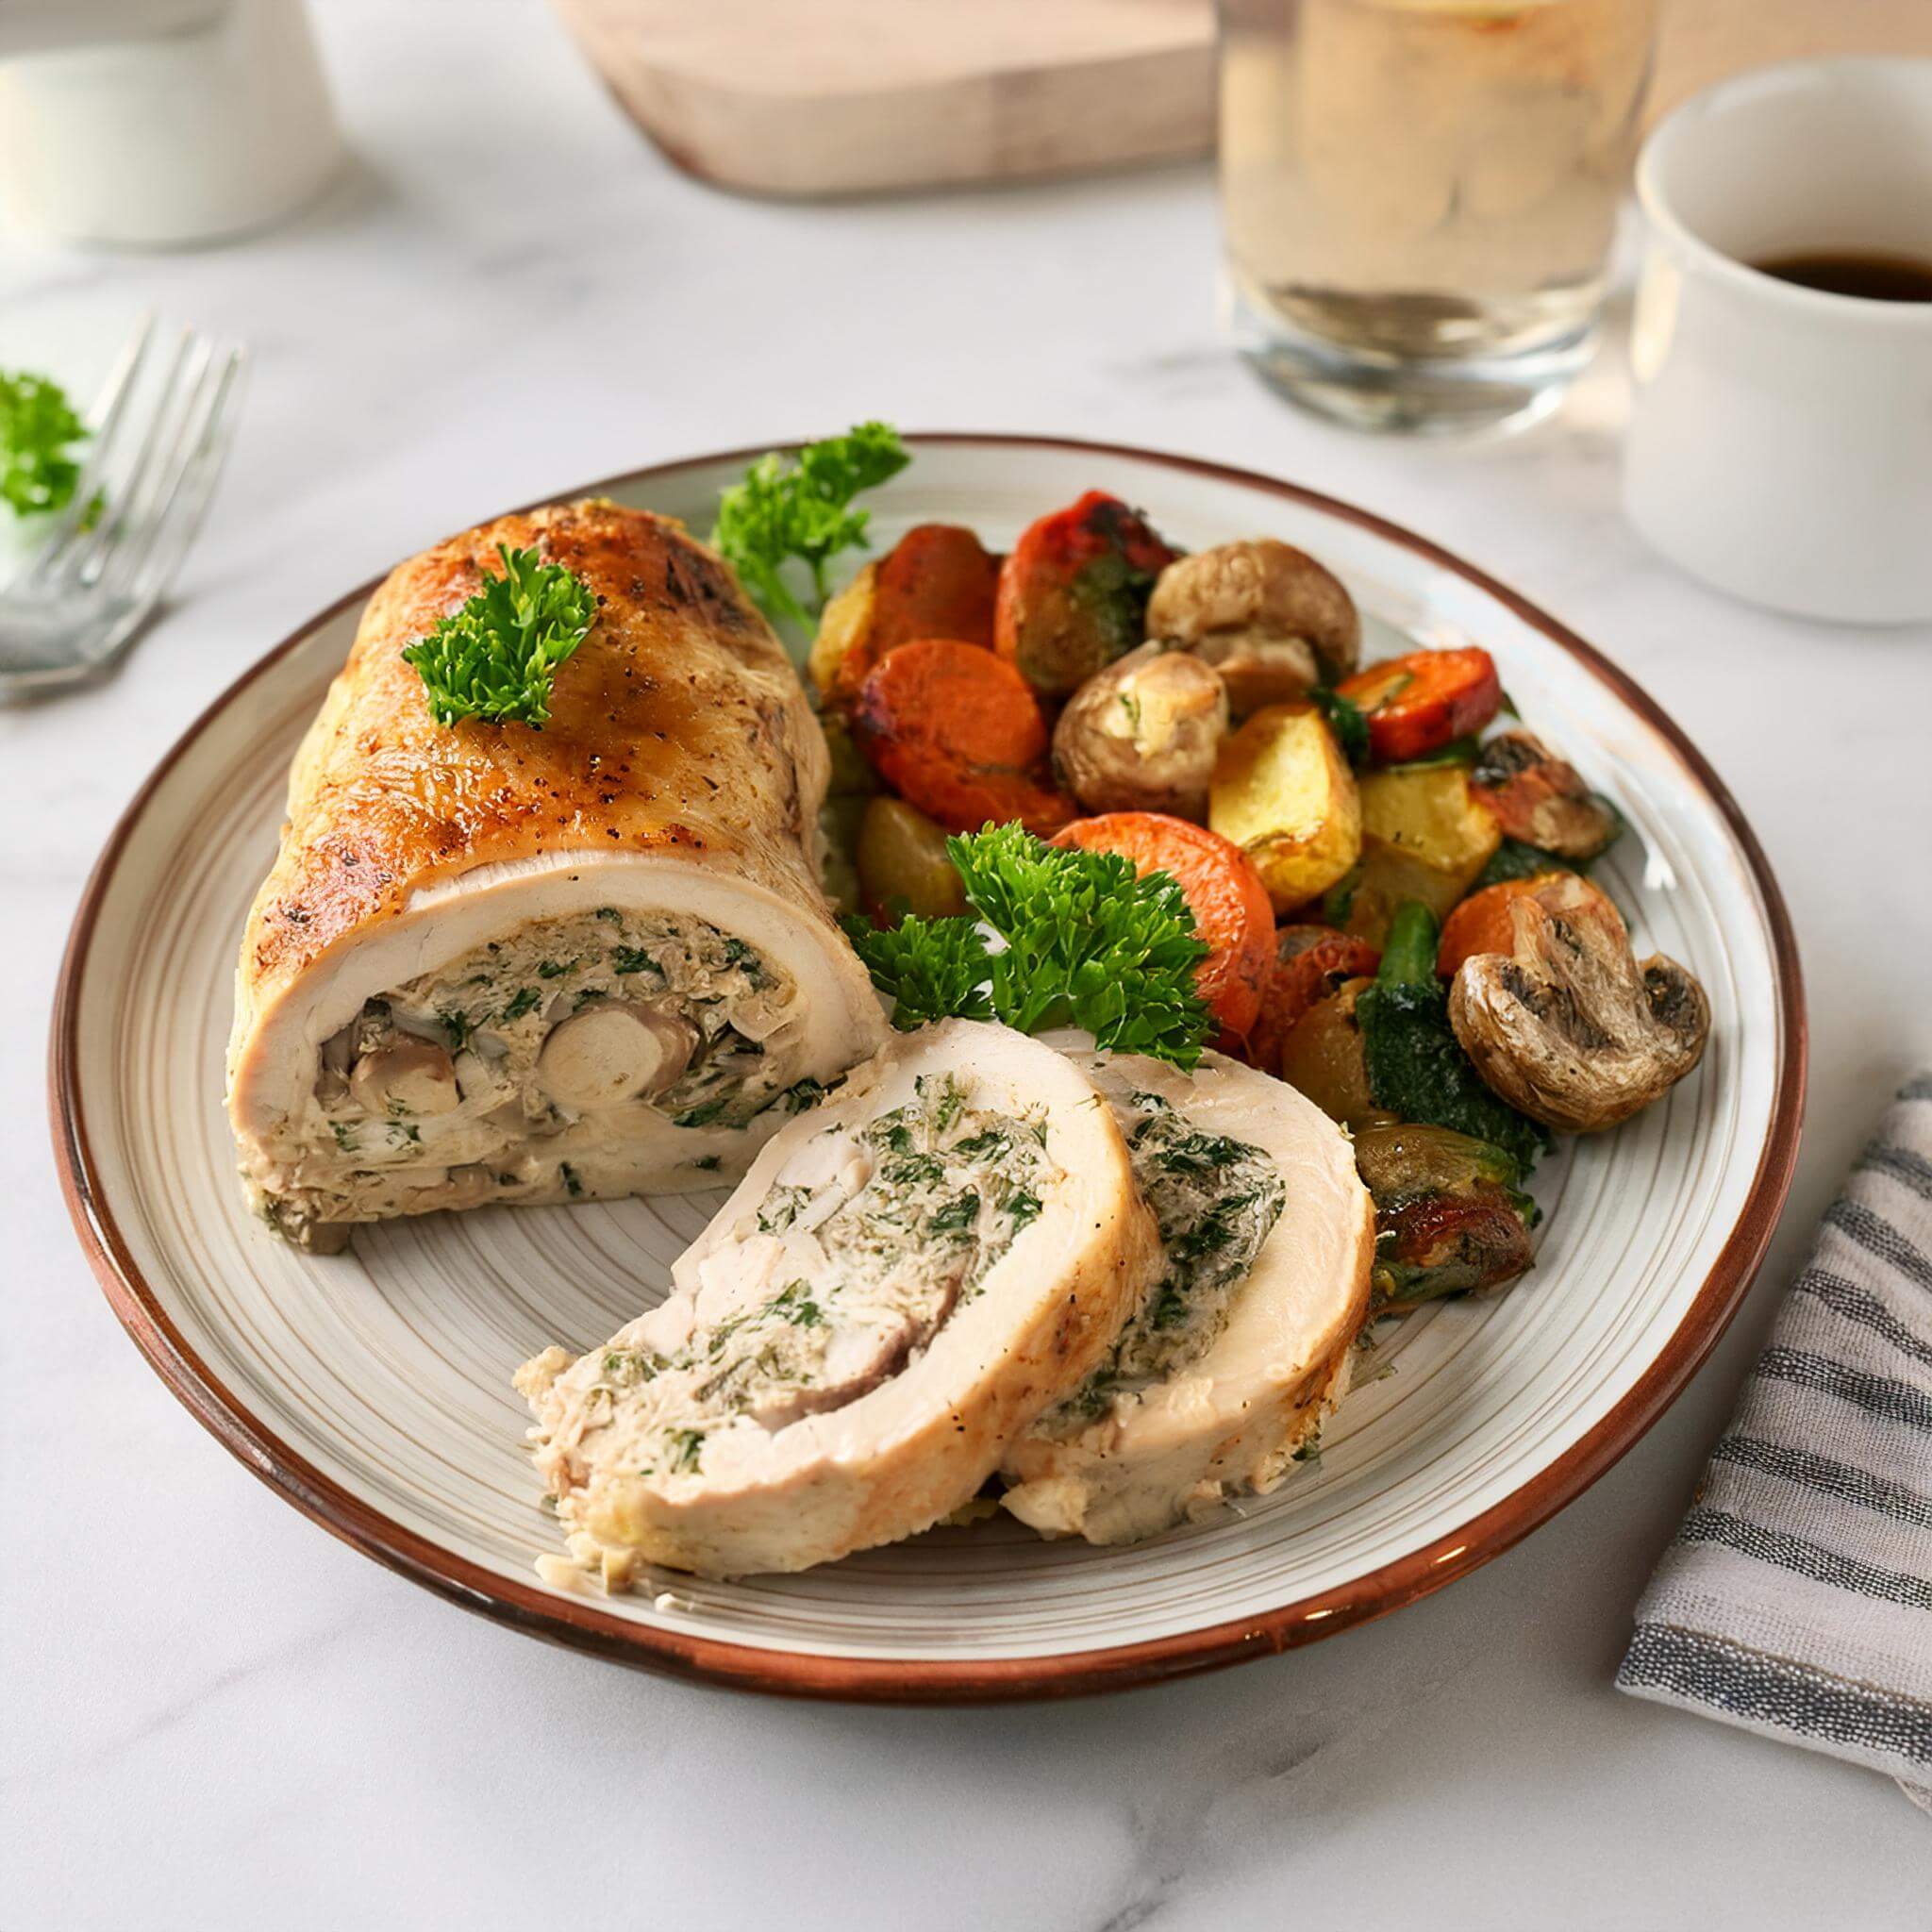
[910, 1274]
[1242, 1339]
[498, 962]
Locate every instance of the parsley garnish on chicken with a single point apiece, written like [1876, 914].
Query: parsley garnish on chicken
[496, 658]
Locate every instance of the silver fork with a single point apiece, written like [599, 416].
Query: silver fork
[87, 593]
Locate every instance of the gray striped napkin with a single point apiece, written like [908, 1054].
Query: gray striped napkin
[1797, 1598]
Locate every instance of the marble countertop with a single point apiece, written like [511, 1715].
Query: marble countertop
[218, 1717]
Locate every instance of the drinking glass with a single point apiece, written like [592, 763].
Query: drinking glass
[1419, 197]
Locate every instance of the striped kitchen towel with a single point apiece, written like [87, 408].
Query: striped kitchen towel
[1797, 1598]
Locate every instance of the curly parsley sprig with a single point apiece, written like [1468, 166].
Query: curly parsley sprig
[1079, 939]
[37, 426]
[933, 969]
[803, 511]
[496, 658]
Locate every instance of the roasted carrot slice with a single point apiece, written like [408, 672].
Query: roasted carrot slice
[1074, 594]
[1483, 923]
[1224, 891]
[1310, 962]
[960, 735]
[937, 581]
[1418, 703]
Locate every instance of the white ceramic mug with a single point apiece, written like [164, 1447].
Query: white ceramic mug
[1781, 444]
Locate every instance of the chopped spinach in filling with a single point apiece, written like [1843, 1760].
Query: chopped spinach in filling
[1216, 1200]
[845, 1281]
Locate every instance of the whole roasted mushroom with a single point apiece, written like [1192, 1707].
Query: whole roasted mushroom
[1569, 1027]
[1142, 735]
[1267, 616]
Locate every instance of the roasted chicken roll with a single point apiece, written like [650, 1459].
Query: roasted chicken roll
[1241, 1340]
[497, 963]
[907, 1277]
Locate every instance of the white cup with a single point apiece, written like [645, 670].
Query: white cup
[159, 123]
[1780, 442]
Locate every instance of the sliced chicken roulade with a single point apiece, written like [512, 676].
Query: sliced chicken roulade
[1242, 1341]
[500, 963]
[910, 1274]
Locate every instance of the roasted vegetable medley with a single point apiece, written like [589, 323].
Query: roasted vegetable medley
[1391, 890]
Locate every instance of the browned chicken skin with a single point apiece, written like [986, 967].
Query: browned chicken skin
[673, 793]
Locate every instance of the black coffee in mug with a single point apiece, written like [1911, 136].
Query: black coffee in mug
[1869, 272]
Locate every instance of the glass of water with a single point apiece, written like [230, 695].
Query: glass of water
[1419, 197]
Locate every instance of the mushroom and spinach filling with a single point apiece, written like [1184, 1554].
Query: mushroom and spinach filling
[526, 1036]
[845, 1279]
[1215, 1200]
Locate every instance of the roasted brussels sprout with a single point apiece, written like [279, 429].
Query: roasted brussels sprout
[1449, 1217]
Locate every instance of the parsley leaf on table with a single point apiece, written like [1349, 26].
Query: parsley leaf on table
[496, 658]
[37, 425]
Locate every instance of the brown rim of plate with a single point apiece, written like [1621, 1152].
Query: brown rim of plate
[584, 1626]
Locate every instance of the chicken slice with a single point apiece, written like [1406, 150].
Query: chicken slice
[1242, 1339]
[910, 1274]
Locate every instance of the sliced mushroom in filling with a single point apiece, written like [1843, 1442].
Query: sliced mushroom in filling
[563, 1032]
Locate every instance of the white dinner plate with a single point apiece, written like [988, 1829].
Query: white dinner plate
[373, 1388]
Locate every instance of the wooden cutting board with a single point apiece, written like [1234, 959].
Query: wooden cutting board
[815, 97]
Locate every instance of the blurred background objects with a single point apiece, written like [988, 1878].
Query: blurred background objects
[159, 123]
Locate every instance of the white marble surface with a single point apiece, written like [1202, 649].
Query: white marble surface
[217, 1717]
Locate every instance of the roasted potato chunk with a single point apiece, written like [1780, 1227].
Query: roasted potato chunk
[1322, 1058]
[1284, 793]
[1425, 836]
[903, 866]
[842, 652]
[1142, 735]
